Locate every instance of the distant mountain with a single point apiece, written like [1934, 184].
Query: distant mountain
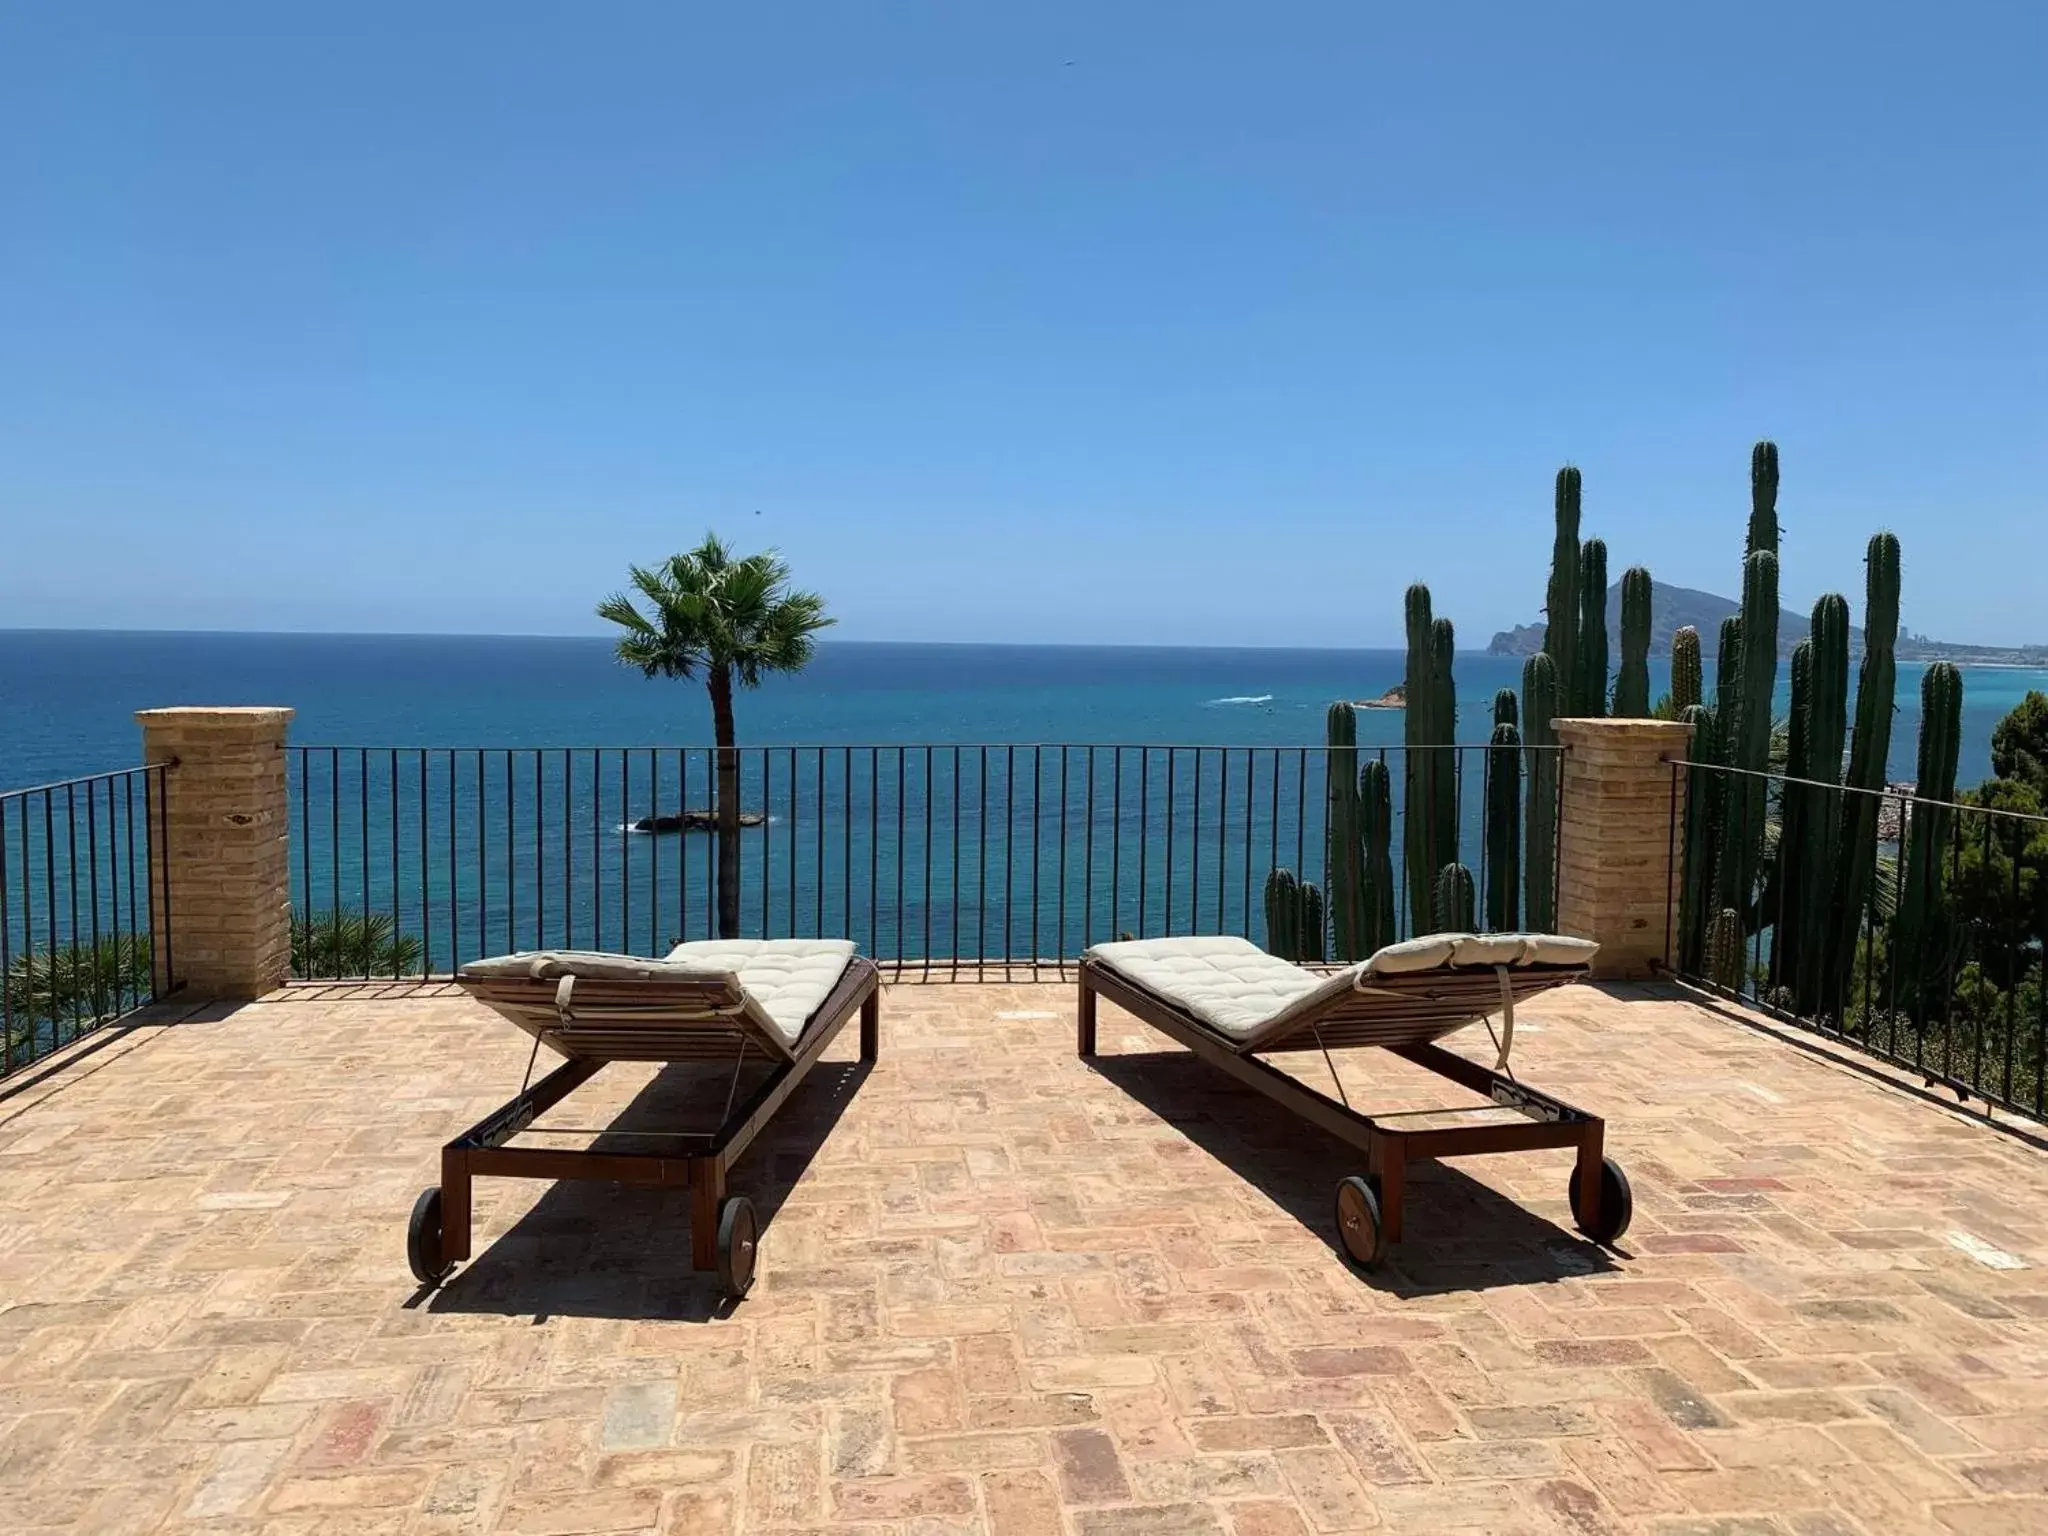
[1673, 607]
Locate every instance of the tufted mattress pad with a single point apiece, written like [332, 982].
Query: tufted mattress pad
[1239, 990]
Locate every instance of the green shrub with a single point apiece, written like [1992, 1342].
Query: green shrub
[341, 943]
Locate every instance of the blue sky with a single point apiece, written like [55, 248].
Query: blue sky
[1173, 323]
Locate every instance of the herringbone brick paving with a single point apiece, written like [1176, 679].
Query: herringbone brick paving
[1005, 1291]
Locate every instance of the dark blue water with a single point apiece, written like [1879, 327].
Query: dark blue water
[67, 699]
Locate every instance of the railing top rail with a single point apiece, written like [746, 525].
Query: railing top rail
[1858, 789]
[911, 746]
[83, 778]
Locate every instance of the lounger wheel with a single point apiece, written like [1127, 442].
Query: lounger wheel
[1359, 1227]
[1617, 1204]
[739, 1239]
[423, 1238]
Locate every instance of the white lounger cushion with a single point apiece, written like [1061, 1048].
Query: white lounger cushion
[789, 978]
[785, 979]
[1237, 989]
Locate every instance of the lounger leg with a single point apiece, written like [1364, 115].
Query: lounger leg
[1084, 1044]
[1592, 1149]
[871, 1025]
[455, 1205]
[707, 1190]
[1387, 1164]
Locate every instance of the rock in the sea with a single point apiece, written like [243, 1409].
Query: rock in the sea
[693, 820]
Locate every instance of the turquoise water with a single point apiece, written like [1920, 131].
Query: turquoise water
[479, 791]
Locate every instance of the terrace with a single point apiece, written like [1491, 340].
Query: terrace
[1001, 1289]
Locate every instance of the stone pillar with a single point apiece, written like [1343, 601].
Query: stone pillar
[218, 834]
[1618, 868]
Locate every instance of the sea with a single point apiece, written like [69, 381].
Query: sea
[480, 794]
[67, 698]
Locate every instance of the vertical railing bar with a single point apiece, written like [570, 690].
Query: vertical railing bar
[874, 850]
[540, 853]
[846, 840]
[1166, 901]
[928, 812]
[305, 912]
[363, 841]
[124, 928]
[1060, 942]
[92, 864]
[981, 861]
[7, 940]
[71, 888]
[683, 846]
[392, 770]
[426, 883]
[2017, 974]
[454, 857]
[654, 944]
[483, 873]
[625, 850]
[902, 777]
[955, 893]
[1088, 854]
[1009, 841]
[1144, 832]
[596, 848]
[793, 817]
[1037, 763]
[767, 863]
[511, 858]
[819, 925]
[1116, 839]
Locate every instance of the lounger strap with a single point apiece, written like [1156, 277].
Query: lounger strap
[1506, 1039]
[565, 989]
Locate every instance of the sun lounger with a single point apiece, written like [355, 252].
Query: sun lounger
[1230, 1002]
[776, 1001]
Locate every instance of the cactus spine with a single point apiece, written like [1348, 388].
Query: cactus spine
[1418, 793]
[1589, 691]
[1294, 917]
[1685, 669]
[1856, 864]
[1454, 900]
[1632, 682]
[1539, 870]
[1344, 865]
[1561, 602]
[1927, 835]
[1504, 824]
[1821, 812]
[1378, 897]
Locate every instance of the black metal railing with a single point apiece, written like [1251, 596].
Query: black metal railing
[83, 901]
[410, 860]
[1914, 928]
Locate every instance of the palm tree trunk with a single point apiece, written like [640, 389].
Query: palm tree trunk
[727, 804]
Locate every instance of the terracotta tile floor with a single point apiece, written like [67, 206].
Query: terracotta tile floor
[1004, 1291]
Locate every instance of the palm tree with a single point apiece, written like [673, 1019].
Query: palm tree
[734, 619]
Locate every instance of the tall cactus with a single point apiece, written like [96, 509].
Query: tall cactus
[1752, 736]
[1443, 720]
[1632, 682]
[1506, 707]
[1795, 812]
[1453, 898]
[1728, 668]
[1294, 917]
[1821, 826]
[1561, 601]
[1916, 954]
[1589, 690]
[1345, 864]
[1539, 870]
[1685, 668]
[1418, 796]
[1703, 804]
[1378, 899]
[1856, 863]
[1504, 823]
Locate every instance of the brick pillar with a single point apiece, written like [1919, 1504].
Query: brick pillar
[1617, 875]
[221, 829]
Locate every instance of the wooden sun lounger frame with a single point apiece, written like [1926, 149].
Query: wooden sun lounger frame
[1427, 1006]
[598, 1037]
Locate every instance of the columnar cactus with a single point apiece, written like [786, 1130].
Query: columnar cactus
[1294, 917]
[1856, 865]
[1539, 869]
[1724, 950]
[1821, 826]
[1916, 955]
[1504, 823]
[1344, 866]
[1632, 682]
[1589, 689]
[1685, 668]
[1703, 805]
[1728, 668]
[1561, 601]
[1443, 721]
[1752, 736]
[1795, 811]
[1378, 898]
[1418, 796]
[1454, 900]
